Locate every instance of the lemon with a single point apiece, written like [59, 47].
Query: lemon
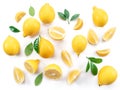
[47, 13]
[103, 52]
[79, 44]
[73, 75]
[107, 75]
[46, 48]
[57, 33]
[79, 24]
[32, 65]
[11, 46]
[18, 75]
[53, 71]
[31, 27]
[100, 17]
[19, 16]
[66, 58]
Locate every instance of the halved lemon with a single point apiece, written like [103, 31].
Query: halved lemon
[57, 33]
[31, 65]
[79, 24]
[53, 71]
[66, 58]
[18, 75]
[73, 75]
[103, 52]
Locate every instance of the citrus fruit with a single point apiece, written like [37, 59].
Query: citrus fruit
[11, 46]
[53, 71]
[47, 13]
[79, 24]
[103, 52]
[19, 16]
[32, 65]
[57, 33]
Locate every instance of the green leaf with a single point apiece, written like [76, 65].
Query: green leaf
[38, 79]
[61, 15]
[66, 13]
[94, 69]
[29, 49]
[36, 45]
[74, 17]
[14, 29]
[95, 60]
[31, 11]
[88, 67]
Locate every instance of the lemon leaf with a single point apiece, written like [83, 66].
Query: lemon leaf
[36, 45]
[74, 17]
[66, 13]
[95, 60]
[88, 67]
[31, 11]
[28, 49]
[94, 69]
[14, 29]
[61, 15]
[38, 79]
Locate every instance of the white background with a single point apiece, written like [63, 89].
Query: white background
[8, 9]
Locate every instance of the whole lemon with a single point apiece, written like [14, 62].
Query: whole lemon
[11, 46]
[107, 75]
[31, 27]
[79, 44]
[46, 48]
[47, 14]
[100, 17]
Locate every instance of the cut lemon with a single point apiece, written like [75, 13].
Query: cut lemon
[57, 33]
[53, 71]
[79, 24]
[32, 65]
[73, 75]
[66, 58]
[109, 34]
[18, 75]
[103, 52]
[19, 16]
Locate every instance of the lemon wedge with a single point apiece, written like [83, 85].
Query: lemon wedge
[18, 75]
[19, 16]
[53, 71]
[73, 75]
[103, 52]
[31, 65]
[57, 33]
[79, 24]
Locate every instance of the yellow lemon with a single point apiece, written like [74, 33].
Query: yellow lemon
[107, 75]
[103, 52]
[100, 17]
[19, 16]
[31, 27]
[46, 48]
[73, 75]
[53, 71]
[11, 46]
[32, 65]
[57, 33]
[79, 44]
[66, 58]
[47, 14]
[18, 75]
[79, 24]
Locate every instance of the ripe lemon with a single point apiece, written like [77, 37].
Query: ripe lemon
[53, 71]
[100, 17]
[19, 16]
[57, 33]
[11, 46]
[32, 65]
[66, 58]
[79, 44]
[73, 75]
[79, 24]
[18, 75]
[46, 48]
[107, 75]
[103, 52]
[31, 27]
[47, 14]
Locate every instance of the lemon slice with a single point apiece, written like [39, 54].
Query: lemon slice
[53, 71]
[73, 75]
[19, 16]
[103, 52]
[31, 65]
[18, 75]
[66, 58]
[79, 24]
[57, 33]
